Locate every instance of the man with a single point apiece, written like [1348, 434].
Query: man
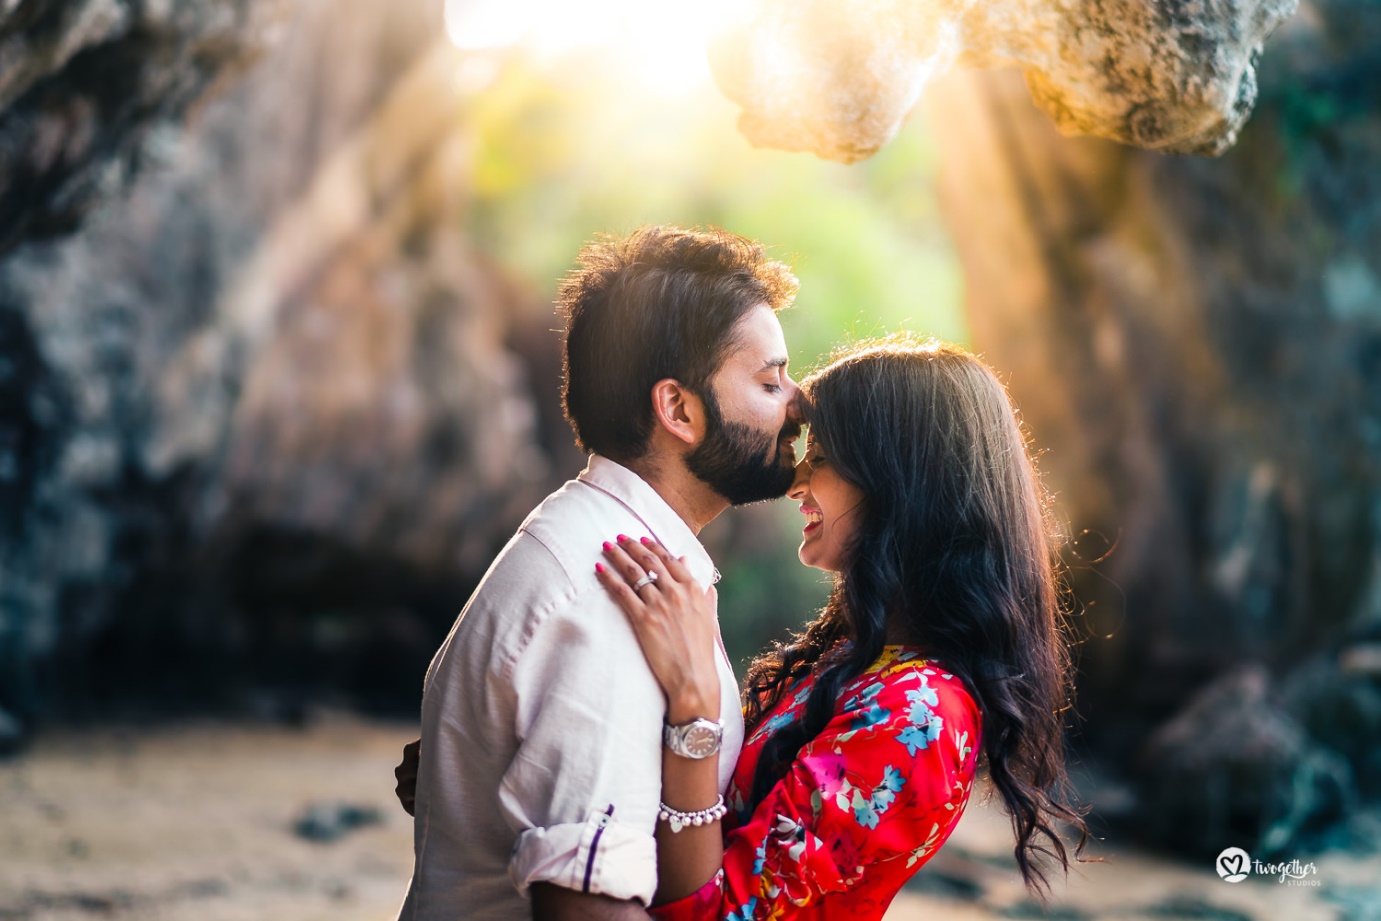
[539, 779]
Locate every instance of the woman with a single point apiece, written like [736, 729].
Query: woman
[938, 648]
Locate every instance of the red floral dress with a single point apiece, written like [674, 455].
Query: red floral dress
[864, 805]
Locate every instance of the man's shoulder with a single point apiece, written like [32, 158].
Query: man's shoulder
[553, 553]
[542, 585]
[572, 523]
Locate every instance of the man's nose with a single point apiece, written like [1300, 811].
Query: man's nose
[801, 481]
[796, 408]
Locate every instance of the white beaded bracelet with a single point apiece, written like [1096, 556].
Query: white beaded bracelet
[679, 820]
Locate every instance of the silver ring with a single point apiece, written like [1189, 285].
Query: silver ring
[648, 578]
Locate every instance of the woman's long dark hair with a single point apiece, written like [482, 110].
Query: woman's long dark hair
[955, 539]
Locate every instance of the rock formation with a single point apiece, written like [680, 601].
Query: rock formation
[83, 81]
[266, 396]
[1234, 766]
[838, 78]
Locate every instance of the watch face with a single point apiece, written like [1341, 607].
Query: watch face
[701, 741]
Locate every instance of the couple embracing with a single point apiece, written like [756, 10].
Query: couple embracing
[584, 750]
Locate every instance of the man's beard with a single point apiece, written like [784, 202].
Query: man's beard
[740, 463]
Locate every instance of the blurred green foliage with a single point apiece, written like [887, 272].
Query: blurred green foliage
[562, 154]
[766, 594]
[562, 151]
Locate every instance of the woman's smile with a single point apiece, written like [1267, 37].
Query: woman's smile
[832, 506]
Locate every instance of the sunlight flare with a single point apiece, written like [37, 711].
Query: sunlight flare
[661, 45]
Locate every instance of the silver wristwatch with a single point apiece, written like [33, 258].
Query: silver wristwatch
[697, 739]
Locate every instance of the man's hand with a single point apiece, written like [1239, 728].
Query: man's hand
[406, 772]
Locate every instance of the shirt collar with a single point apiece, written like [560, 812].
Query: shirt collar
[662, 522]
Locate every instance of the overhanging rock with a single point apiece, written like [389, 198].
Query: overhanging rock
[838, 77]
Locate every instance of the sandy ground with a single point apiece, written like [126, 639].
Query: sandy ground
[198, 822]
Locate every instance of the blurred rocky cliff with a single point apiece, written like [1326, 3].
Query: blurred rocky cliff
[266, 392]
[1196, 344]
[83, 81]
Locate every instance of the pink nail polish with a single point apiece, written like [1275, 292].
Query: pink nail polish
[608, 546]
[599, 567]
[623, 537]
[647, 540]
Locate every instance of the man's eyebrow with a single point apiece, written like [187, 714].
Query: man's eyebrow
[773, 363]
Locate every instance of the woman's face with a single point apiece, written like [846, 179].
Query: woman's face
[833, 508]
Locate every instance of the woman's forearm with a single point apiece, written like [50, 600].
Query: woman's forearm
[689, 858]
[674, 620]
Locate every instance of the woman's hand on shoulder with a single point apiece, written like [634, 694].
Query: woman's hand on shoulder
[674, 619]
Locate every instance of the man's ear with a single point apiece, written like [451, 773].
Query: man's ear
[678, 410]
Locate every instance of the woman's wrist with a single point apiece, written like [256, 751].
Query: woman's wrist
[694, 695]
[692, 704]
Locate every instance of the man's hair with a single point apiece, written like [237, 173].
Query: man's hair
[660, 303]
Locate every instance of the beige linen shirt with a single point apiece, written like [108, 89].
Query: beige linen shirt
[541, 722]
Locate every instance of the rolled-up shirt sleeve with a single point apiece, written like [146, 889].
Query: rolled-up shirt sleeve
[582, 790]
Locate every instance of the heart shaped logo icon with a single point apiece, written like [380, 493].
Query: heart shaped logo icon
[1234, 864]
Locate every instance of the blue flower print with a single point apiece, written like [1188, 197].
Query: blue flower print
[745, 911]
[871, 713]
[921, 733]
[759, 858]
[886, 792]
[777, 722]
[870, 717]
[925, 725]
[914, 739]
[864, 697]
[924, 696]
[882, 798]
[864, 812]
[772, 725]
[867, 810]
